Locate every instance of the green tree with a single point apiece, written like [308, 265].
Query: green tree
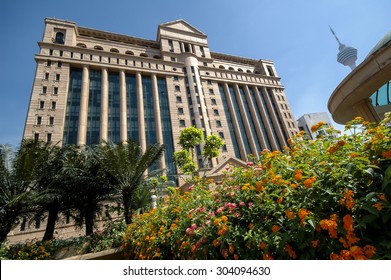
[190, 138]
[126, 163]
[86, 184]
[17, 182]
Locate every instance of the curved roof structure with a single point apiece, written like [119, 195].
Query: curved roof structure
[351, 98]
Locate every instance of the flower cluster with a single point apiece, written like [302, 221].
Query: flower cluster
[327, 198]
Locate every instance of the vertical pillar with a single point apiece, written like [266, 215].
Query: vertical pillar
[122, 108]
[366, 111]
[104, 106]
[140, 108]
[250, 136]
[158, 120]
[83, 114]
[235, 124]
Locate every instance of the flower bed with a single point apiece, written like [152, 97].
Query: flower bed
[322, 199]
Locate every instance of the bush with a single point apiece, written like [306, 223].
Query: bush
[318, 199]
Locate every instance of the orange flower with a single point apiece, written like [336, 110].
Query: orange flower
[387, 154]
[382, 197]
[357, 253]
[330, 226]
[275, 228]
[279, 200]
[260, 186]
[378, 206]
[250, 226]
[294, 186]
[289, 214]
[267, 256]
[348, 199]
[303, 213]
[290, 251]
[236, 257]
[224, 218]
[369, 251]
[298, 175]
[262, 245]
[216, 222]
[308, 182]
[231, 248]
[216, 243]
[315, 243]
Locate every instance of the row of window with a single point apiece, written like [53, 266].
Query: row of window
[41, 105]
[47, 75]
[45, 90]
[48, 137]
[39, 120]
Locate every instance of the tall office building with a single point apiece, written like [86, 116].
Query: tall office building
[92, 86]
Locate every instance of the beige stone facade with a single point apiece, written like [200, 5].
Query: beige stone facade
[203, 87]
[92, 86]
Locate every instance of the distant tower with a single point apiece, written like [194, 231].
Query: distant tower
[347, 55]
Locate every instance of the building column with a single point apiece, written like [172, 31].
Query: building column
[235, 124]
[104, 106]
[254, 115]
[158, 119]
[365, 109]
[122, 108]
[265, 119]
[83, 114]
[250, 136]
[140, 108]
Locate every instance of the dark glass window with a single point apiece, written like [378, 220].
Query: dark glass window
[49, 63]
[39, 120]
[55, 91]
[57, 77]
[166, 128]
[73, 107]
[36, 137]
[53, 105]
[131, 105]
[229, 121]
[59, 64]
[180, 111]
[250, 119]
[44, 89]
[59, 38]
[94, 103]
[261, 122]
[51, 120]
[177, 88]
[41, 104]
[114, 113]
[49, 137]
[240, 120]
[182, 123]
[46, 76]
[179, 99]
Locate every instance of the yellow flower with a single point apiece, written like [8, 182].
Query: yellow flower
[224, 219]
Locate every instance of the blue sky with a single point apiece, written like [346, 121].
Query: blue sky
[293, 33]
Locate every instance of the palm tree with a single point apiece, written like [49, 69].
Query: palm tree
[86, 184]
[17, 183]
[126, 164]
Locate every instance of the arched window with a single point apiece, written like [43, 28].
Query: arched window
[59, 38]
[231, 68]
[143, 55]
[129, 52]
[114, 50]
[248, 71]
[240, 70]
[81, 45]
[221, 67]
[98, 48]
[156, 56]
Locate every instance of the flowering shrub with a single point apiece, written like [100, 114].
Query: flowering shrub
[318, 199]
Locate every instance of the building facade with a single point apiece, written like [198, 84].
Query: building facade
[92, 86]
[307, 120]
